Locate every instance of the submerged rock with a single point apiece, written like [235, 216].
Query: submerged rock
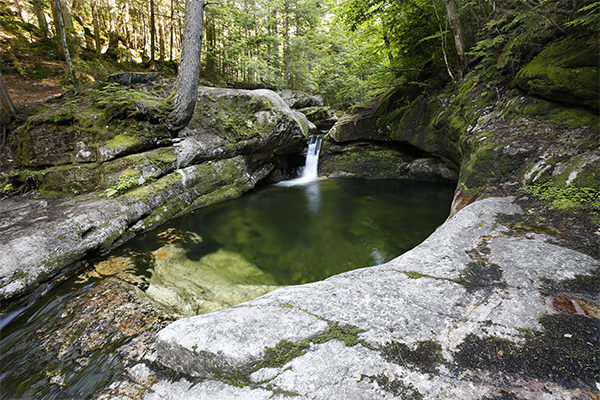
[217, 281]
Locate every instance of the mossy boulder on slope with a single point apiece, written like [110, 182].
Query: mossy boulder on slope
[567, 72]
[147, 179]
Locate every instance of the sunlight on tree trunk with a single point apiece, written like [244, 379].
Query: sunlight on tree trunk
[96, 23]
[7, 103]
[39, 13]
[189, 67]
[63, 35]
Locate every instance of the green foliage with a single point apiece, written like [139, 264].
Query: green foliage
[400, 42]
[514, 31]
[568, 192]
[6, 189]
[124, 184]
[588, 17]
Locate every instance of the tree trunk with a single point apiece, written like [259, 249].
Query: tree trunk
[7, 103]
[113, 33]
[189, 66]
[39, 13]
[286, 45]
[459, 38]
[152, 34]
[96, 23]
[211, 46]
[161, 41]
[21, 11]
[171, 38]
[63, 34]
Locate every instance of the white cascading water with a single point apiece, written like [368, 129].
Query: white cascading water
[311, 166]
[310, 171]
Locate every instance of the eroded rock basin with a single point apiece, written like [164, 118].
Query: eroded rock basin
[470, 313]
[94, 326]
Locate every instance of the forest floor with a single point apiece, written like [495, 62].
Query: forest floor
[26, 93]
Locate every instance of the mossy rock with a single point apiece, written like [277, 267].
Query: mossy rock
[105, 123]
[365, 160]
[361, 126]
[567, 72]
[491, 162]
[520, 106]
[70, 180]
[235, 115]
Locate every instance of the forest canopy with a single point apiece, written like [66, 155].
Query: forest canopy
[349, 51]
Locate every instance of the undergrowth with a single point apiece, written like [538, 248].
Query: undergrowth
[567, 196]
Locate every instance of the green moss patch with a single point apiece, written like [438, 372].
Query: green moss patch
[396, 387]
[566, 72]
[565, 351]
[366, 160]
[285, 351]
[232, 116]
[582, 285]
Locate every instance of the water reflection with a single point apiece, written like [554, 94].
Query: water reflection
[71, 342]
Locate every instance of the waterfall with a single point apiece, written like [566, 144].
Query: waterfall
[310, 171]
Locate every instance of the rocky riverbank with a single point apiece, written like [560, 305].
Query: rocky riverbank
[502, 301]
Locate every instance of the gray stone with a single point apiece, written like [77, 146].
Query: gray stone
[299, 100]
[133, 78]
[432, 170]
[423, 296]
[232, 339]
[210, 390]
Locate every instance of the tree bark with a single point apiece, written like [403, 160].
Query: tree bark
[39, 13]
[459, 38]
[286, 45]
[152, 34]
[171, 33]
[161, 41]
[211, 44]
[96, 23]
[21, 11]
[63, 34]
[189, 67]
[7, 103]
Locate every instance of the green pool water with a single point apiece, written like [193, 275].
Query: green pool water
[308, 232]
[210, 259]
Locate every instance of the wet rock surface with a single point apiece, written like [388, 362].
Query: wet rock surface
[486, 315]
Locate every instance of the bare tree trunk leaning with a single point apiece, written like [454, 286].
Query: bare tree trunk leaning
[39, 13]
[189, 67]
[459, 38]
[63, 35]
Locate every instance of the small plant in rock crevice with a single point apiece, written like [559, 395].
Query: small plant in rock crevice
[567, 196]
